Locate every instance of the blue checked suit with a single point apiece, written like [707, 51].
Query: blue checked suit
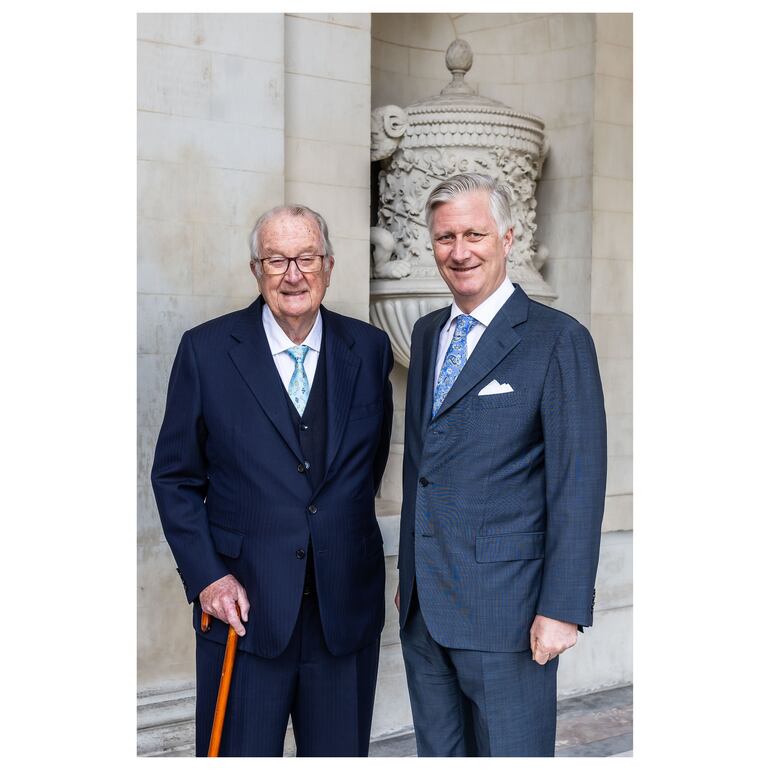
[503, 494]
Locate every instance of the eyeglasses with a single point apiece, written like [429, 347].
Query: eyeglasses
[278, 265]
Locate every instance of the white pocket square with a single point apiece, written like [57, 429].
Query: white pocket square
[494, 387]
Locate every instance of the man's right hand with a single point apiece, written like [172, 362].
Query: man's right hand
[218, 600]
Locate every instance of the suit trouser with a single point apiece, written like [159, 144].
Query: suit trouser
[468, 703]
[330, 698]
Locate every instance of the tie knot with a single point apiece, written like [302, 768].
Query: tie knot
[464, 323]
[298, 353]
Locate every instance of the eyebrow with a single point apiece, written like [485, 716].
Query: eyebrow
[303, 250]
[479, 230]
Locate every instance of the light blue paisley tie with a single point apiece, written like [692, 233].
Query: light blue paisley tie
[455, 359]
[299, 387]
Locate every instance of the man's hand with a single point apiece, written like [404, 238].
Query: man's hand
[549, 638]
[397, 598]
[218, 600]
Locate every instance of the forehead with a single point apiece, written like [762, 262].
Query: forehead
[287, 229]
[466, 210]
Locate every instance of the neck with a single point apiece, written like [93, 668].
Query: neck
[468, 305]
[296, 329]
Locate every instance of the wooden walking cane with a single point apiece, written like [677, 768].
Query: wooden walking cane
[224, 683]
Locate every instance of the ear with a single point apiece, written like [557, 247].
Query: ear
[508, 240]
[329, 271]
[253, 266]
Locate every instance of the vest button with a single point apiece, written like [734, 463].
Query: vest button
[312, 509]
[423, 481]
[300, 553]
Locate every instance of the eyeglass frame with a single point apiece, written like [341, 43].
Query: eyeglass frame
[289, 260]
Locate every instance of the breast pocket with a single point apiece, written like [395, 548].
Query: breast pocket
[497, 400]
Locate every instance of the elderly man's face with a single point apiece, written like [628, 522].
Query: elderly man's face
[293, 296]
[469, 253]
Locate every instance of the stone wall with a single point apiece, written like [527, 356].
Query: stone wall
[612, 240]
[327, 141]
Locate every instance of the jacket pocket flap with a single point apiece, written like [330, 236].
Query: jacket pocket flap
[226, 541]
[510, 546]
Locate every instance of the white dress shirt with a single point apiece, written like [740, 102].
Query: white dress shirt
[279, 343]
[484, 314]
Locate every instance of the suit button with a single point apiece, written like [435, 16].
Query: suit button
[300, 553]
[301, 467]
[304, 427]
[312, 509]
[423, 481]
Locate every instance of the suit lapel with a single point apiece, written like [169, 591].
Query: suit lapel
[428, 373]
[499, 339]
[342, 366]
[254, 361]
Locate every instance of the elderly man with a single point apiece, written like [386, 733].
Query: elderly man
[504, 475]
[273, 445]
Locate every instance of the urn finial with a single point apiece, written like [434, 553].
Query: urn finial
[459, 59]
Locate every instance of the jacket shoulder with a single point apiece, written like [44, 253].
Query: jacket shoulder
[557, 321]
[360, 331]
[219, 327]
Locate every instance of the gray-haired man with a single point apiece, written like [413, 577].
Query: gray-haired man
[504, 474]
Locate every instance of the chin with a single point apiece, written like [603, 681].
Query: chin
[296, 308]
[467, 289]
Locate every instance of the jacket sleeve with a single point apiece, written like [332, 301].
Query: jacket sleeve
[383, 448]
[179, 476]
[575, 437]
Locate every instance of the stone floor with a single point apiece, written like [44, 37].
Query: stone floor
[595, 725]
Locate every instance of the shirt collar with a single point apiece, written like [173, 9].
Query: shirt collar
[279, 341]
[489, 308]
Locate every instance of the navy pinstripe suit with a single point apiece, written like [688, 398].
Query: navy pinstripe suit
[235, 497]
[503, 494]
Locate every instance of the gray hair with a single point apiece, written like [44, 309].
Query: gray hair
[295, 210]
[500, 197]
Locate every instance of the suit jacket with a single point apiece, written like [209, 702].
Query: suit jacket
[503, 494]
[233, 494]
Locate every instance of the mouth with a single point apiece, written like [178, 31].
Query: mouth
[463, 269]
[297, 293]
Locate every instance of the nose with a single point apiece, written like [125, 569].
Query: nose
[460, 250]
[293, 274]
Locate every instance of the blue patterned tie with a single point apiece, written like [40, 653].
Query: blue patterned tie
[454, 361]
[299, 387]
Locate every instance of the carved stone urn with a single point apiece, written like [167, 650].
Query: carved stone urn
[418, 147]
